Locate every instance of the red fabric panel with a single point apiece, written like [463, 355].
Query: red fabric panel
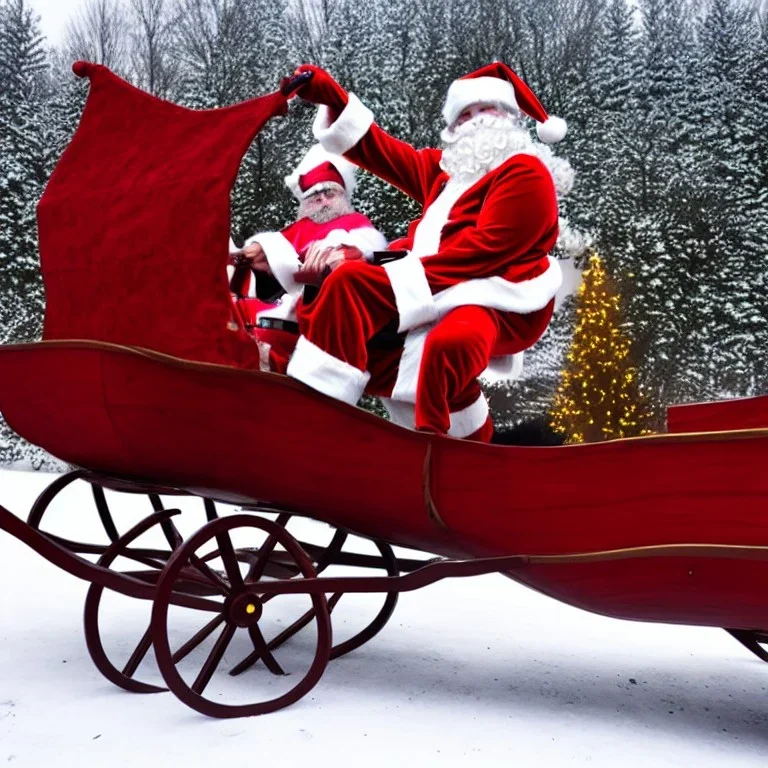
[740, 413]
[669, 489]
[134, 223]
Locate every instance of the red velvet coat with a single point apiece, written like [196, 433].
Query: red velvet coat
[486, 243]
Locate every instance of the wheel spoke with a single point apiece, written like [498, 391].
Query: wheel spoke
[260, 644]
[214, 659]
[129, 670]
[210, 510]
[105, 516]
[331, 552]
[284, 636]
[246, 663]
[198, 638]
[209, 573]
[171, 533]
[256, 571]
[228, 557]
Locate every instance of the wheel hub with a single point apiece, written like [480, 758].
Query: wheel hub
[245, 609]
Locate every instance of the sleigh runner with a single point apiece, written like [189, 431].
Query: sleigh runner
[148, 382]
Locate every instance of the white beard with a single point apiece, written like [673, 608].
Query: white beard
[483, 143]
[328, 212]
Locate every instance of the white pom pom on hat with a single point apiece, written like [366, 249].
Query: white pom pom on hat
[497, 84]
[552, 130]
[317, 156]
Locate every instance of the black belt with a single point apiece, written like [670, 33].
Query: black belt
[275, 324]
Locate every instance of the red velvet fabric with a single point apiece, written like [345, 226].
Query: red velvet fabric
[140, 197]
[324, 173]
[356, 302]
[505, 225]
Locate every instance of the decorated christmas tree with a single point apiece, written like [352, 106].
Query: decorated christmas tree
[599, 397]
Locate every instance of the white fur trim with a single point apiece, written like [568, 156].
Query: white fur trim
[326, 373]
[285, 309]
[410, 364]
[426, 238]
[317, 155]
[504, 368]
[498, 293]
[469, 419]
[367, 239]
[400, 413]
[250, 291]
[321, 187]
[477, 90]
[352, 124]
[281, 257]
[552, 130]
[413, 296]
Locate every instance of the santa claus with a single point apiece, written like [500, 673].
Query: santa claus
[327, 231]
[477, 286]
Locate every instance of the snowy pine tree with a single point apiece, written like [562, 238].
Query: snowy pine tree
[24, 167]
[22, 171]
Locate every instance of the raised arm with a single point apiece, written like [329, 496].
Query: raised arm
[345, 126]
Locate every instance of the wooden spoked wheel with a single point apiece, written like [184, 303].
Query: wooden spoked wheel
[338, 552]
[197, 582]
[43, 502]
[389, 562]
[247, 636]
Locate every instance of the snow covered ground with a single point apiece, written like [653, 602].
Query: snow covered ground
[473, 672]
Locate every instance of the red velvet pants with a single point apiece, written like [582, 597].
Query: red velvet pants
[356, 302]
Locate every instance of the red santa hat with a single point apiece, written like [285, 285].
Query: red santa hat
[320, 170]
[497, 84]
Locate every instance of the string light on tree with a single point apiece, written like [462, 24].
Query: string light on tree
[599, 397]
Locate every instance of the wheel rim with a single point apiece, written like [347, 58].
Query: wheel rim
[122, 678]
[234, 608]
[154, 560]
[385, 612]
[323, 557]
[44, 500]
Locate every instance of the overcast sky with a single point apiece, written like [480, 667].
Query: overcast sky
[54, 15]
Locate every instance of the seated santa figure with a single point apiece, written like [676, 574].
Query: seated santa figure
[269, 274]
[477, 285]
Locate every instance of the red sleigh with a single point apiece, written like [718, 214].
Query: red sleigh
[136, 386]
